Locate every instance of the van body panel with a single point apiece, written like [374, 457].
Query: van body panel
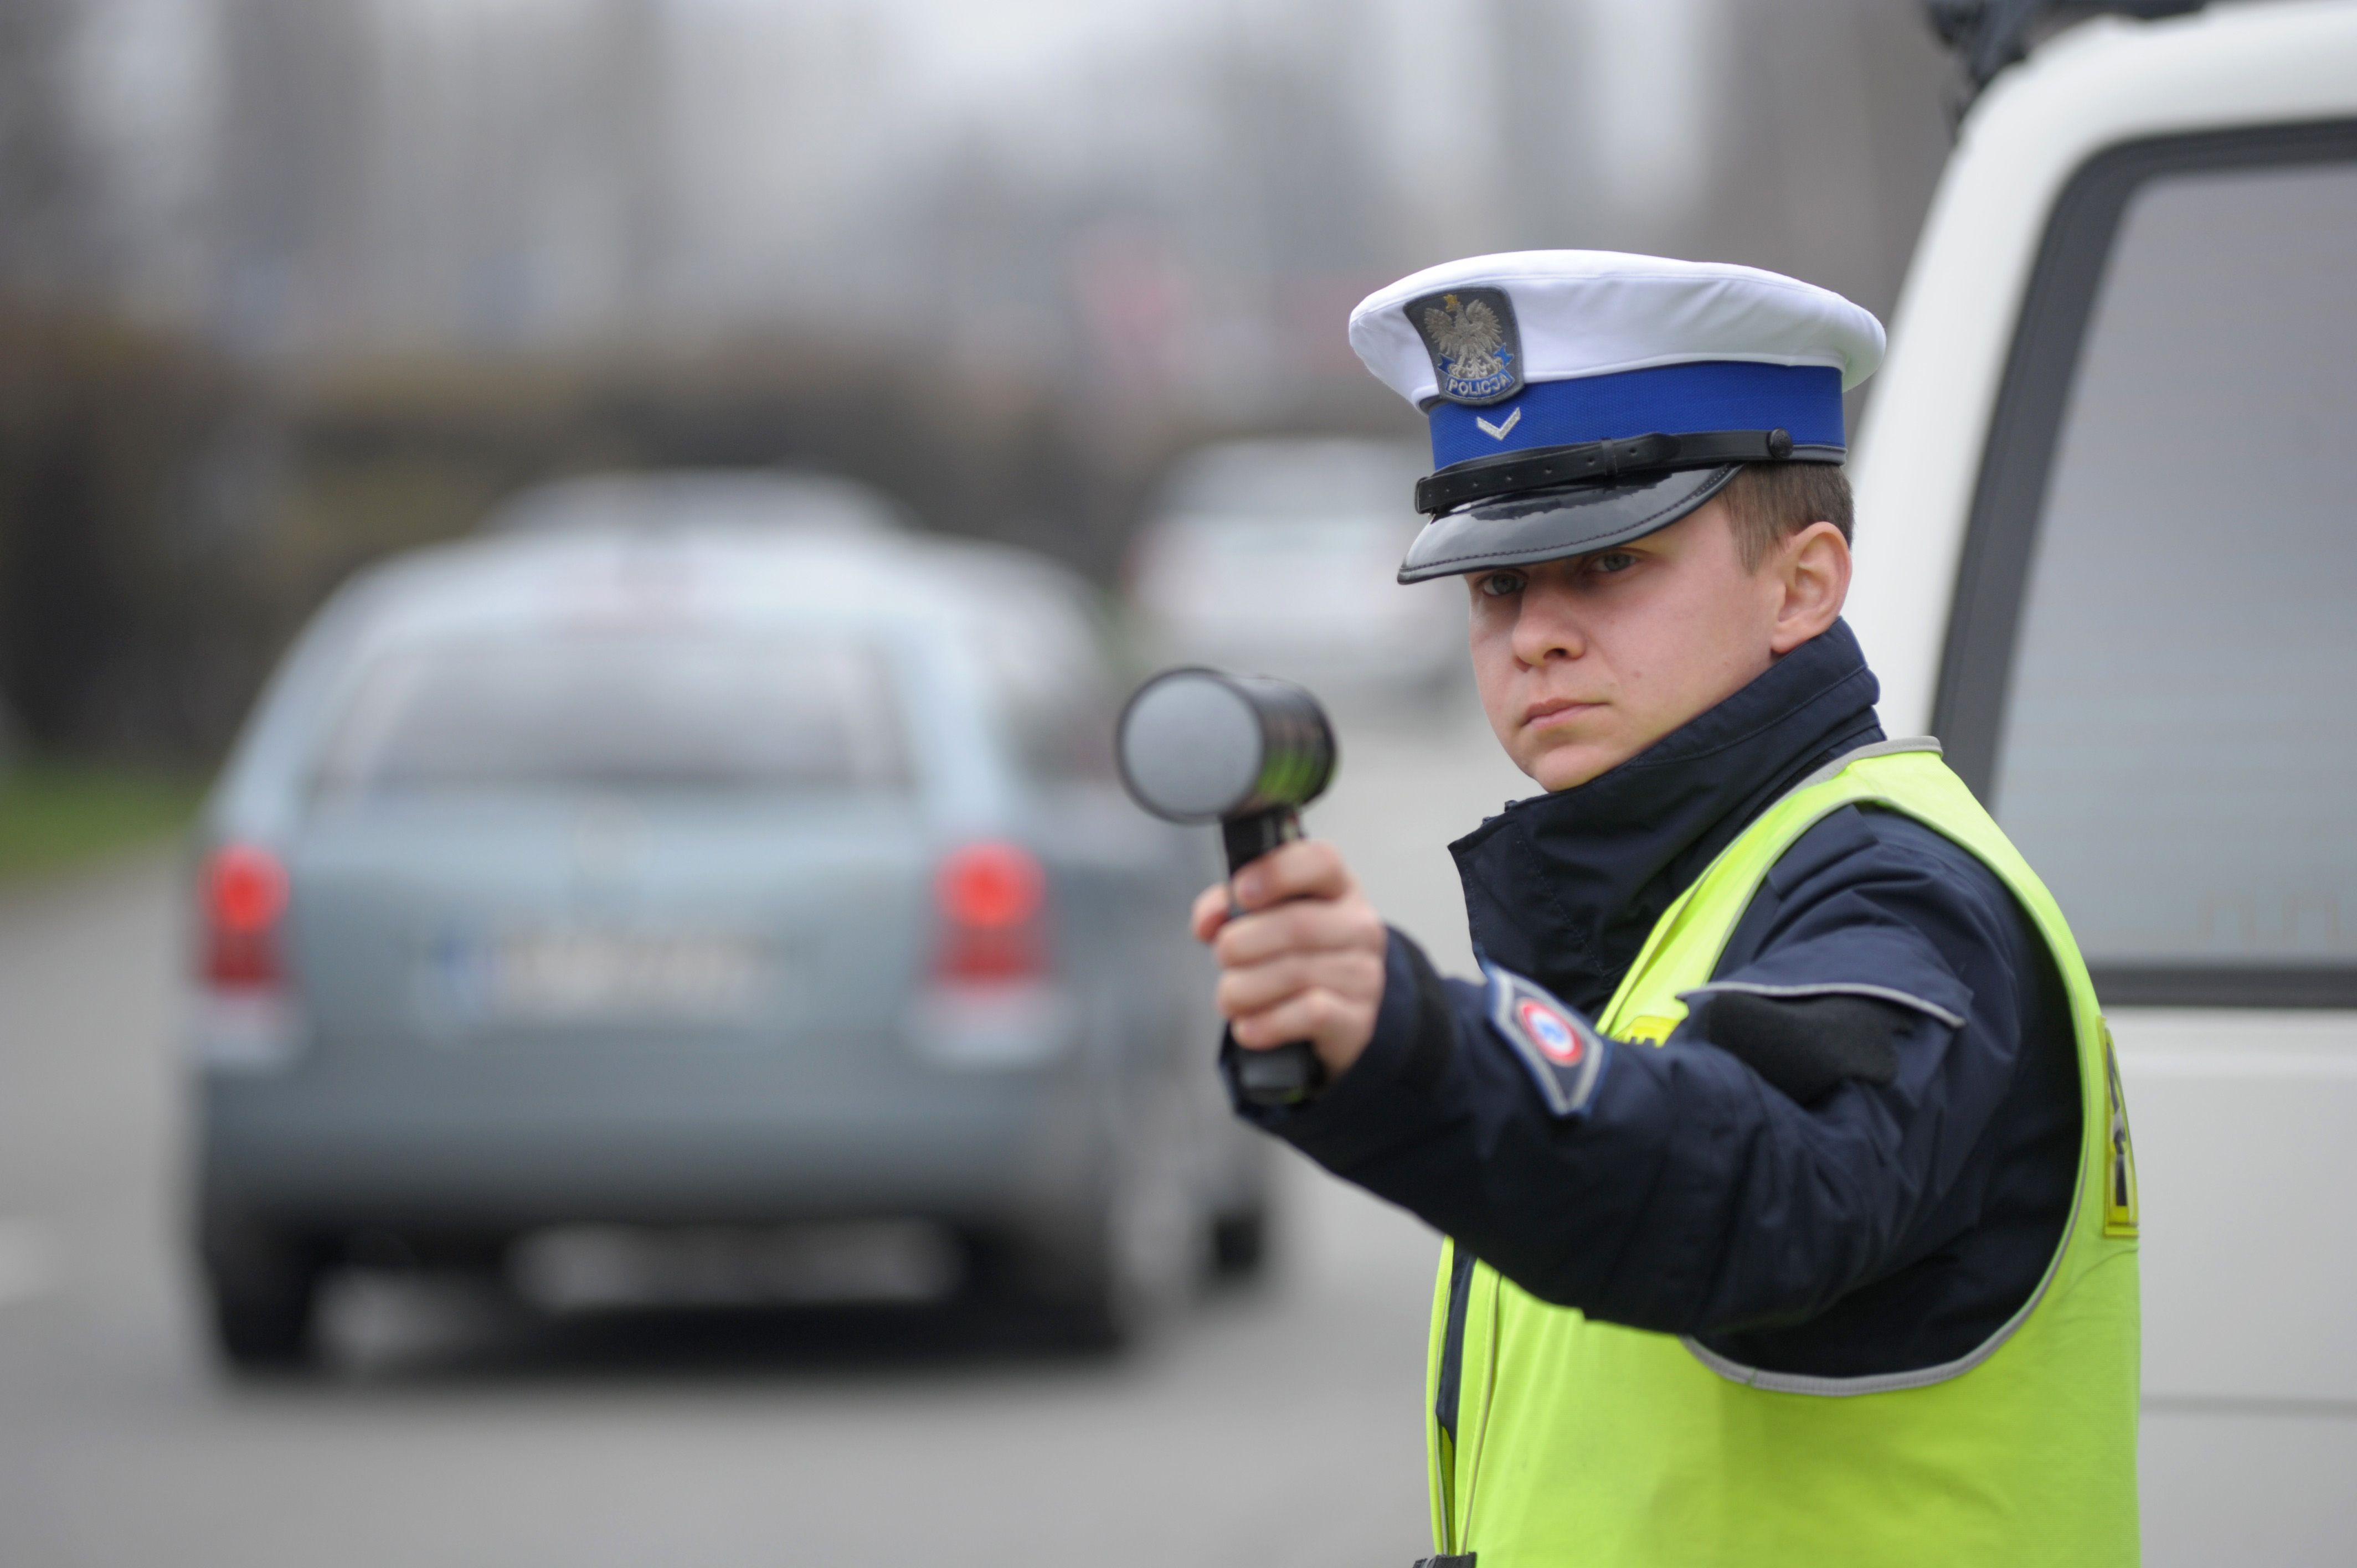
[2243, 1094]
[1916, 463]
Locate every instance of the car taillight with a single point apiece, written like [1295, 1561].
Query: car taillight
[993, 901]
[244, 894]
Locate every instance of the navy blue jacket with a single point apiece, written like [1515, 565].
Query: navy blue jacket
[1840, 1219]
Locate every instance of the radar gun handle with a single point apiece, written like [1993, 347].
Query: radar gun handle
[1290, 1073]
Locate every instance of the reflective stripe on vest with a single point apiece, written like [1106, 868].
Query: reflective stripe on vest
[1588, 1443]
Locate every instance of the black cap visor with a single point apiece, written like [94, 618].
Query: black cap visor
[1547, 525]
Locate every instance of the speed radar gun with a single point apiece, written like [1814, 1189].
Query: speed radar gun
[1247, 752]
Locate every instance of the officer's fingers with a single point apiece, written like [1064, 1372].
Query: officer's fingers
[1306, 868]
[1353, 975]
[1337, 1026]
[1209, 913]
[1307, 925]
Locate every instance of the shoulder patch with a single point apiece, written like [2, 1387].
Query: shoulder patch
[1561, 1050]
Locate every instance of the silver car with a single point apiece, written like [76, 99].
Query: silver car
[703, 857]
[1281, 557]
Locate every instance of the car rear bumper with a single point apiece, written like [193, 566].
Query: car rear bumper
[978, 1149]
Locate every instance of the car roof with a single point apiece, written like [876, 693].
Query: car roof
[711, 549]
[2103, 83]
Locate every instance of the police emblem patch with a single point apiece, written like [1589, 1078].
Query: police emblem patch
[1563, 1053]
[1549, 1032]
[1476, 351]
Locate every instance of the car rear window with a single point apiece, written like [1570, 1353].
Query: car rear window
[620, 711]
[2176, 751]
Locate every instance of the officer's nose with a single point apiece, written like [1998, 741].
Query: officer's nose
[1546, 626]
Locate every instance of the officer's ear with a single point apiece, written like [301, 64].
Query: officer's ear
[1811, 566]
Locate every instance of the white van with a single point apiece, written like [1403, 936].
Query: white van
[2107, 551]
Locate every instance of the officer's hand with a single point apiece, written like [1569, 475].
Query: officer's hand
[1305, 960]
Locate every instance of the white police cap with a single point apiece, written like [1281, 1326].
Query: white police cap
[1581, 398]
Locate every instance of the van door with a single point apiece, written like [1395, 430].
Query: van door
[2151, 674]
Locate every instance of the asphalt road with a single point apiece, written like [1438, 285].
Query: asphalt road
[1277, 1426]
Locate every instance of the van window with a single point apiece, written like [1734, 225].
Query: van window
[673, 710]
[2177, 752]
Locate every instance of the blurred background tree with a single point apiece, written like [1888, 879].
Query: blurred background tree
[289, 284]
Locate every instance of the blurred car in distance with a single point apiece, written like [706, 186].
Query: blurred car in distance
[2104, 553]
[703, 888]
[1280, 557]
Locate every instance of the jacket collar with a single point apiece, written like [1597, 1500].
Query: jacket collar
[1564, 887]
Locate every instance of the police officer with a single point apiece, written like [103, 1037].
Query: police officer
[1789, 1204]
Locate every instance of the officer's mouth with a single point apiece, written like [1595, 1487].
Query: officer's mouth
[1550, 713]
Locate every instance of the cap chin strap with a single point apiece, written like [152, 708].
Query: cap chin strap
[1550, 468]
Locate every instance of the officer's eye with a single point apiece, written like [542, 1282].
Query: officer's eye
[1498, 584]
[1611, 561]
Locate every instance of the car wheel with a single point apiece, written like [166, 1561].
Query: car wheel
[1145, 1250]
[1240, 1243]
[264, 1295]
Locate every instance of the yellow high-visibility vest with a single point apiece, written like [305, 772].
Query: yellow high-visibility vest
[1587, 1443]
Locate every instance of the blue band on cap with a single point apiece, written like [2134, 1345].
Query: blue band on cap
[1674, 400]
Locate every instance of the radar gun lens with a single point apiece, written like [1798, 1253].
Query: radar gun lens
[1197, 746]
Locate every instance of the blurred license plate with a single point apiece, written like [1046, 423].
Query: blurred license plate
[599, 974]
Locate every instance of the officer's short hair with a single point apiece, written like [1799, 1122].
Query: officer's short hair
[1769, 502]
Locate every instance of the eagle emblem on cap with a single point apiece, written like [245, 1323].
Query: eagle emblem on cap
[1476, 352]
